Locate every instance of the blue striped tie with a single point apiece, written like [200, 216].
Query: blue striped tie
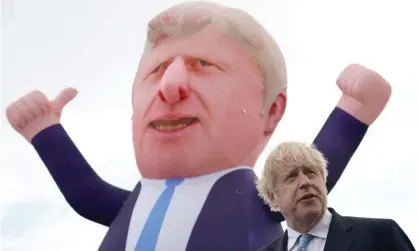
[304, 240]
[148, 239]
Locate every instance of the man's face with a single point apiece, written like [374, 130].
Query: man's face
[197, 103]
[301, 193]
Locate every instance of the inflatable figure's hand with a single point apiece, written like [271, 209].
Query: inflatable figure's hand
[33, 112]
[365, 93]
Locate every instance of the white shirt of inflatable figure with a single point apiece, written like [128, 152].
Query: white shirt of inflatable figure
[182, 213]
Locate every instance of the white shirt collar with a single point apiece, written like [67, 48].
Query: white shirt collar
[320, 229]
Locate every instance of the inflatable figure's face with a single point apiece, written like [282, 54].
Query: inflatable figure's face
[209, 91]
[197, 103]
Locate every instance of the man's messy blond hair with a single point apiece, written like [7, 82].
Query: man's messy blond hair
[191, 17]
[284, 156]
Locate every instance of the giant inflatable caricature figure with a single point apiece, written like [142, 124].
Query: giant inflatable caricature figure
[208, 94]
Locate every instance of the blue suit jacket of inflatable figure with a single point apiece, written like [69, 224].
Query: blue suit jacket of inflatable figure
[232, 218]
[243, 223]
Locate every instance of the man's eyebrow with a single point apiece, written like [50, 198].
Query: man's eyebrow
[310, 167]
[287, 171]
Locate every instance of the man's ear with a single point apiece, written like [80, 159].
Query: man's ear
[275, 114]
[274, 202]
[271, 197]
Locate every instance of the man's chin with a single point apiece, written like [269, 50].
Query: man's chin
[311, 210]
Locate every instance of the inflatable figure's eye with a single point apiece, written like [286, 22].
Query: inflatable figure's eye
[198, 64]
[204, 63]
[157, 69]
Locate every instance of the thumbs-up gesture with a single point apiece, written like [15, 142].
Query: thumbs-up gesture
[365, 93]
[34, 112]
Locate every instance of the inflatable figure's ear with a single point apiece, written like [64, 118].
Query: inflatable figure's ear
[275, 114]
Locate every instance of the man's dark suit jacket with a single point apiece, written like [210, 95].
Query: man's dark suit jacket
[357, 234]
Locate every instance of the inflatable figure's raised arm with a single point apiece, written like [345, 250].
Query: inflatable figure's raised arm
[89, 195]
[364, 95]
[37, 119]
[338, 141]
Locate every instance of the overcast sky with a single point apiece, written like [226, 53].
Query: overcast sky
[95, 46]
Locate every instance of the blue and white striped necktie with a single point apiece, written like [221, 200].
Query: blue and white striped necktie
[304, 240]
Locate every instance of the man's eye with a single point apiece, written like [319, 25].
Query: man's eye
[290, 177]
[311, 172]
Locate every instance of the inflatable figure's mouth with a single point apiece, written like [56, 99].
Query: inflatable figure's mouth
[172, 125]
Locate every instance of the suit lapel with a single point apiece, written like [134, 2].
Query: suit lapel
[115, 238]
[340, 235]
[282, 243]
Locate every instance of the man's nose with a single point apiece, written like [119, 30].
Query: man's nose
[304, 181]
[174, 86]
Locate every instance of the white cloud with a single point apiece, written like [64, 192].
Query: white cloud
[95, 47]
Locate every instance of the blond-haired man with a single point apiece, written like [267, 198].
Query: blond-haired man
[294, 183]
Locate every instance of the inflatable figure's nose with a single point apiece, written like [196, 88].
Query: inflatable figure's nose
[174, 86]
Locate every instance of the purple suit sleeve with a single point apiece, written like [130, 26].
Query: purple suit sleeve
[338, 140]
[84, 190]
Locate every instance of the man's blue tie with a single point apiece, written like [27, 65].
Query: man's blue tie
[148, 239]
[304, 240]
